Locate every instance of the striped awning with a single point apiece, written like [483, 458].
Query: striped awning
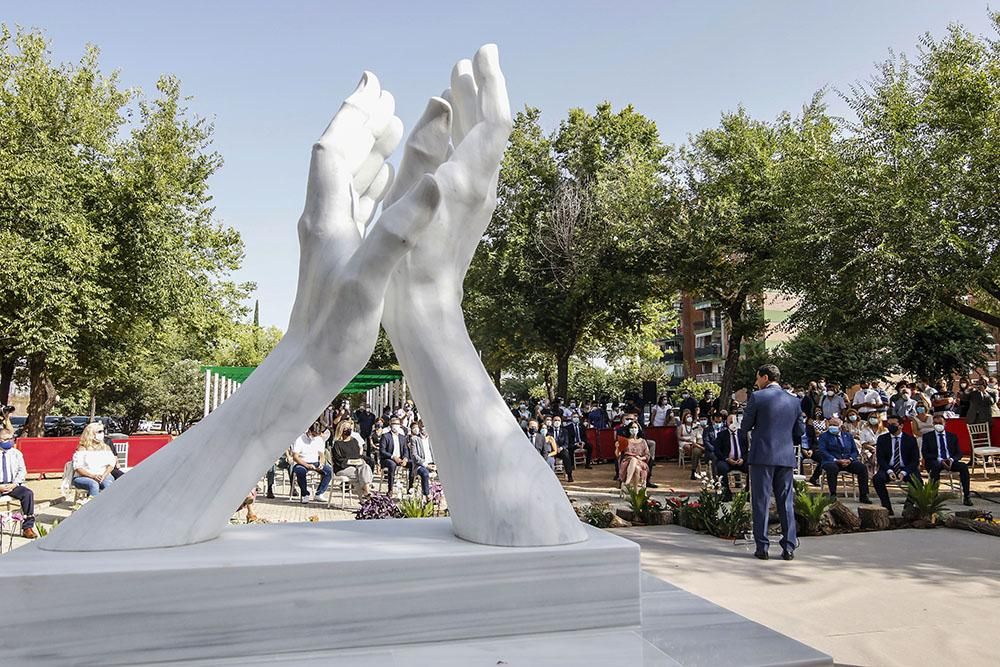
[362, 382]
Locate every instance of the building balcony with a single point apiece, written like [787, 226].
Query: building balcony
[703, 304]
[673, 357]
[708, 353]
[709, 377]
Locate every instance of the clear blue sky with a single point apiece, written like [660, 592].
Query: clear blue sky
[270, 74]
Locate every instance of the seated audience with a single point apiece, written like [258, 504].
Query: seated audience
[898, 460]
[93, 461]
[633, 453]
[839, 453]
[419, 460]
[923, 421]
[940, 451]
[689, 440]
[815, 427]
[710, 439]
[731, 448]
[872, 429]
[347, 458]
[13, 473]
[308, 453]
[394, 450]
[577, 437]
[564, 448]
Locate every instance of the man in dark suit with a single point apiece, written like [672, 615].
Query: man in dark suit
[394, 450]
[940, 450]
[839, 453]
[565, 453]
[365, 419]
[898, 460]
[771, 425]
[731, 447]
[577, 435]
[710, 438]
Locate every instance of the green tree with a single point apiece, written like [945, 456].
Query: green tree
[104, 195]
[732, 234]
[568, 262]
[846, 358]
[947, 345]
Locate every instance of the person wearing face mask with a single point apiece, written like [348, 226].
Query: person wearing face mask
[660, 413]
[732, 450]
[870, 432]
[564, 448]
[833, 403]
[365, 420]
[688, 402]
[546, 446]
[13, 473]
[866, 400]
[347, 459]
[923, 421]
[419, 460]
[394, 450]
[598, 415]
[708, 405]
[964, 387]
[981, 403]
[771, 423]
[904, 407]
[840, 454]
[629, 420]
[710, 438]
[689, 439]
[940, 450]
[898, 460]
[577, 436]
[633, 452]
[308, 455]
[943, 400]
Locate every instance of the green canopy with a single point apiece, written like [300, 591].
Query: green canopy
[362, 382]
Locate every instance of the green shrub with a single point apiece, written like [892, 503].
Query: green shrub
[416, 507]
[925, 501]
[810, 508]
[597, 514]
[736, 517]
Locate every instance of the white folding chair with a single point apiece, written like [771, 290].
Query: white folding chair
[121, 451]
[67, 484]
[983, 450]
[344, 483]
[848, 482]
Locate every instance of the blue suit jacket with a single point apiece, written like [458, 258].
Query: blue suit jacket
[771, 419]
[840, 446]
[385, 446]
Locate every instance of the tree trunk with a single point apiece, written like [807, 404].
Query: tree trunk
[42, 398]
[844, 516]
[874, 517]
[495, 375]
[7, 363]
[562, 375]
[93, 407]
[735, 340]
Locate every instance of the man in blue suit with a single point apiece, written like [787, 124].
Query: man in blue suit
[771, 422]
[839, 453]
[940, 450]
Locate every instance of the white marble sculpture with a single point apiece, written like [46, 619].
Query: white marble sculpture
[499, 490]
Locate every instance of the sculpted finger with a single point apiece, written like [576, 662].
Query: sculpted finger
[381, 149]
[494, 107]
[393, 236]
[463, 99]
[426, 147]
[383, 110]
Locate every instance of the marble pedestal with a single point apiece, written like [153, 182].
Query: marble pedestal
[272, 589]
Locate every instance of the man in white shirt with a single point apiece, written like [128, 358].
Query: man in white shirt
[308, 455]
[867, 400]
[12, 476]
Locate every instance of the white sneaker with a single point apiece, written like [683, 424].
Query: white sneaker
[306, 498]
[84, 501]
[321, 497]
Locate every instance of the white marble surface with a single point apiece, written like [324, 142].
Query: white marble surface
[258, 590]
[499, 490]
[677, 629]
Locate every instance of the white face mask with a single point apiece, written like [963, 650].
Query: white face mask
[576, 420]
[853, 418]
[688, 420]
[397, 429]
[829, 392]
[633, 432]
[415, 431]
[939, 428]
[544, 431]
[733, 428]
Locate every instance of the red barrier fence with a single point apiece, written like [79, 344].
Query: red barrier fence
[603, 441]
[960, 429]
[44, 456]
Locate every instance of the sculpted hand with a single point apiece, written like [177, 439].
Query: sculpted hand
[187, 491]
[491, 473]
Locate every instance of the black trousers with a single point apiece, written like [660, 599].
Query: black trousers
[934, 470]
[27, 498]
[855, 468]
[881, 480]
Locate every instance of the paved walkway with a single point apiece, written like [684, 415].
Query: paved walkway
[901, 597]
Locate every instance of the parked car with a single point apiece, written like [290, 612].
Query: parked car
[18, 424]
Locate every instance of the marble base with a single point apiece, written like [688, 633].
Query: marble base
[284, 588]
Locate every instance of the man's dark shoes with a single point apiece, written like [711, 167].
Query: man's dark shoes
[651, 485]
[967, 501]
[866, 501]
[891, 513]
[787, 555]
[569, 479]
[760, 554]
[270, 494]
[692, 475]
[588, 466]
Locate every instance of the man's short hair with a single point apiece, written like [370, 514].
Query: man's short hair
[6, 434]
[770, 371]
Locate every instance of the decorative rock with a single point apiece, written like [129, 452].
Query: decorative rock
[625, 513]
[874, 517]
[618, 522]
